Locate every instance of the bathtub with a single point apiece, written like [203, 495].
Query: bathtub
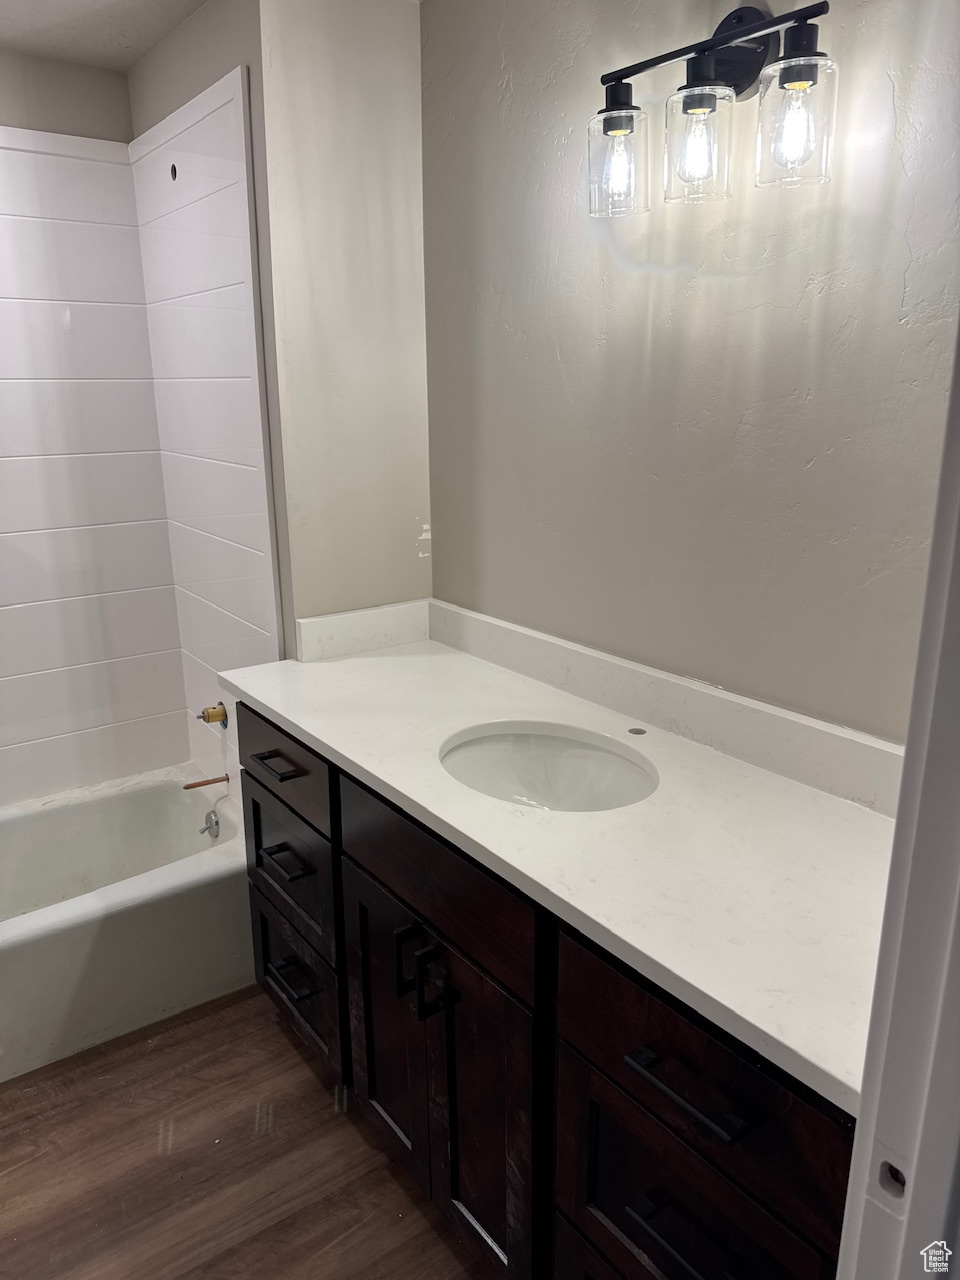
[115, 911]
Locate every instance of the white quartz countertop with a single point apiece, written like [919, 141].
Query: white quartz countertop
[754, 899]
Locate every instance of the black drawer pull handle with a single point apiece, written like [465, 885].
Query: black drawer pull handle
[401, 940]
[728, 1129]
[285, 862]
[291, 980]
[643, 1213]
[264, 759]
[422, 960]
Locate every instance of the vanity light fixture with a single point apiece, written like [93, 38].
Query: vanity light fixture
[798, 98]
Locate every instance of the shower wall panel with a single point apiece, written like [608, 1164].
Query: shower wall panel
[91, 685]
[191, 177]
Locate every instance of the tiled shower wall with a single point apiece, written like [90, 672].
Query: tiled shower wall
[90, 675]
[190, 176]
[128, 395]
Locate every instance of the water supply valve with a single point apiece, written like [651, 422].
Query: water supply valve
[214, 715]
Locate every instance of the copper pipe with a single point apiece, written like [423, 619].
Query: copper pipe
[207, 782]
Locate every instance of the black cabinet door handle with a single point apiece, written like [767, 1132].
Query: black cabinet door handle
[282, 859]
[422, 960]
[401, 940]
[291, 980]
[282, 773]
[645, 1210]
[728, 1129]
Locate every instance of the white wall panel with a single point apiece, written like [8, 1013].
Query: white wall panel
[71, 261]
[251, 599]
[69, 187]
[201, 486]
[221, 213]
[251, 531]
[234, 578]
[47, 704]
[126, 301]
[199, 557]
[73, 340]
[158, 194]
[48, 765]
[207, 156]
[212, 752]
[198, 273]
[189, 340]
[92, 683]
[82, 489]
[53, 564]
[105, 416]
[210, 418]
[63, 633]
[212, 748]
[220, 639]
[179, 261]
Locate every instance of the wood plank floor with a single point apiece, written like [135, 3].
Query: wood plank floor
[205, 1147]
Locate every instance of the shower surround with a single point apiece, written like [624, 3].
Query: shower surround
[135, 549]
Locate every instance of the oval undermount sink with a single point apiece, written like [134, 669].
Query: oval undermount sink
[548, 766]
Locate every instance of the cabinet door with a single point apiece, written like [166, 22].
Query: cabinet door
[479, 1053]
[389, 1047]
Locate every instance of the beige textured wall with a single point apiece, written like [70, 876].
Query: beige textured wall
[342, 104]
[708, 441]
[220, 36]
[59, 97]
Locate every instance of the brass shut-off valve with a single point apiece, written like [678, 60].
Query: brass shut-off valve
[214, 715]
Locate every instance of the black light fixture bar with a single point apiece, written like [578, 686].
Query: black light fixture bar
[754, 31]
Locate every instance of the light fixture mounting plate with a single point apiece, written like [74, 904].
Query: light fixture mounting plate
[739, 65]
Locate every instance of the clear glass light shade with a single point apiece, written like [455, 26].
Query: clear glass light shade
[696, 161]
[618, 163]
[798, 109]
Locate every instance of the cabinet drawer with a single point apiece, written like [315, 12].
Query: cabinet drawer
[491, 924]
[296, 978]
[776, 1145]
[291, 865]
[650, 1203]
[575, 1260]
[286, 767]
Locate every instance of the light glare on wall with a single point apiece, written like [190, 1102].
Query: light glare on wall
[798, 100]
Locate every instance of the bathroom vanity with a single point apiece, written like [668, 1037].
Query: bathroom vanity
[576, 1117]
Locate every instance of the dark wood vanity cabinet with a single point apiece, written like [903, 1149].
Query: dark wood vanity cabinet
[291, 865]
[787, 1153]
[480, 1072]
[650, 1203]
[442, 1065]
[677, 1156]
[576, 1260]
[389, 1051]
[297, 979]
[576, 1122]
[443, 1053]
[293, 872]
